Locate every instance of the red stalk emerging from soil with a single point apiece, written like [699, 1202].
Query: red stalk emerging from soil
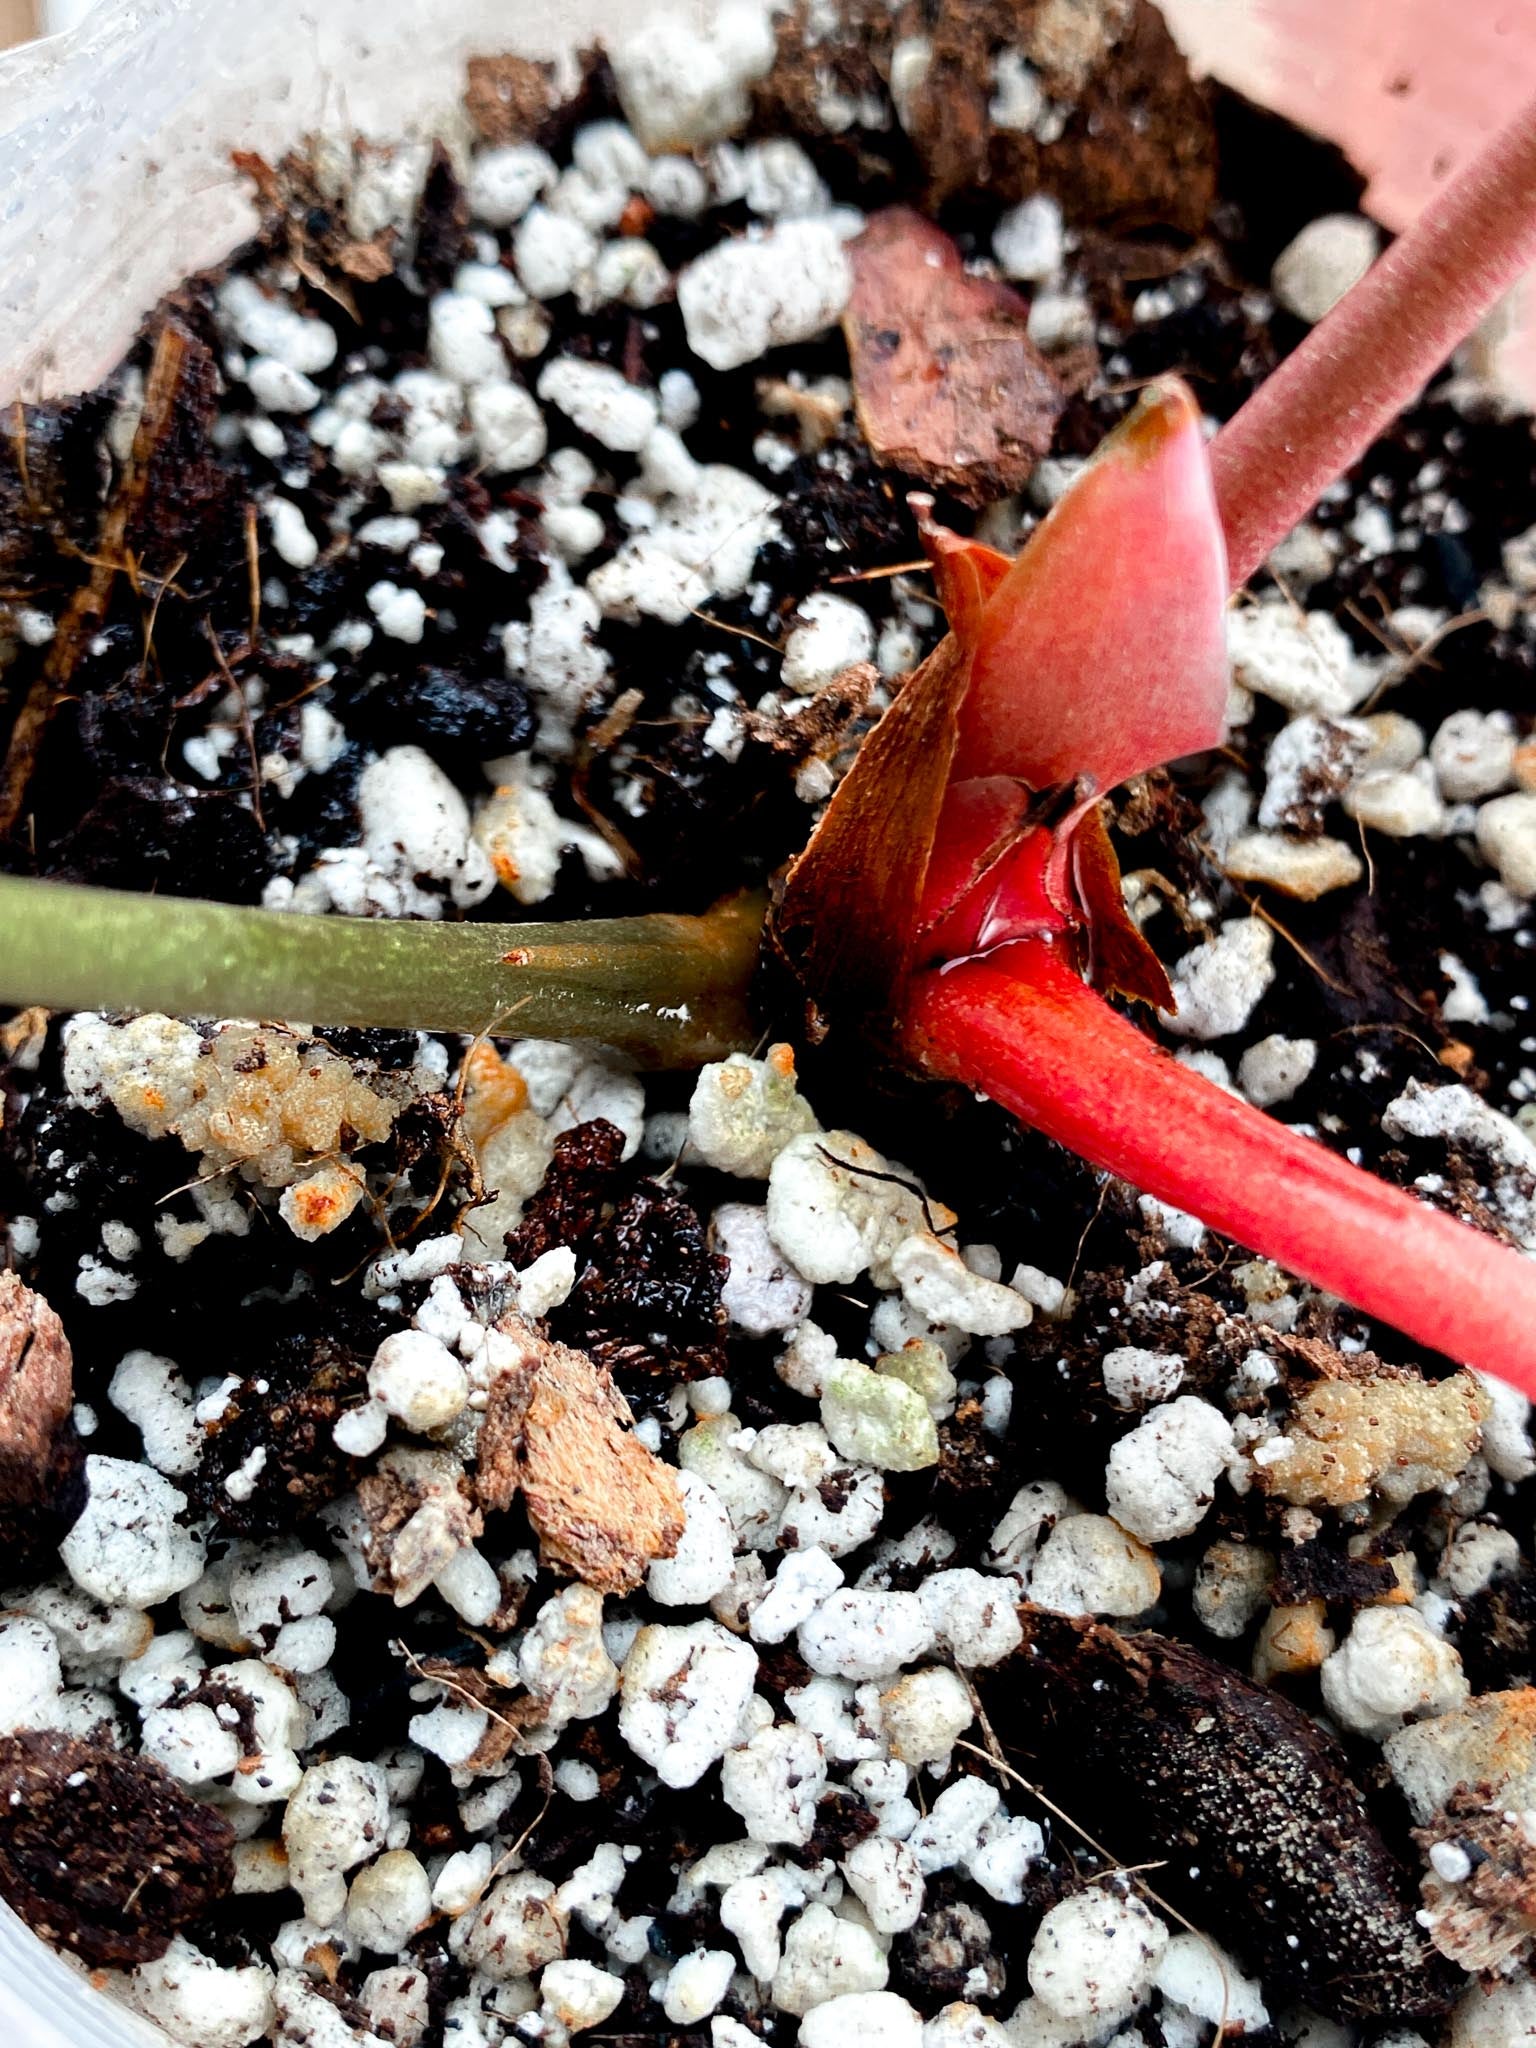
[1378, 348]
[1043, 1044]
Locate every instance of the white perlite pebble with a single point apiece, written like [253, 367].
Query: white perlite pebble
[762, 1292]
[1271, 1070]
[832, 635]
[387, 1901]
[601, 402]
[837, 1206]
[865, 1633]
[1403, 803]
[1304, 661]
[1090, 1565]
[401, 613]
[337, 1817]
[643, 580]
[774, 1782]
[1203, 1981]
[862, 2019]
[1391, 1668]
[942, 1288]
[683, 1692]
[1161, 1478]
[803, 1580]
[1495, 2015]
[695, 1985]
[291, 537]
[702, 1563]
[1329, 256]
[1473, 754]
[745, 1111]
[509, 428]
[360, 1431]
[1096, 1956]
[578, 1994]
[191, 1742]
[418, 1380]
[516, 1929]
[154, 1397]
[1506, 1442]
[747, 296]
[30, 1674]
[551, 252]
[1028, 240]
[887, 1883]
[503, 183]
[925, 1713]
[278, 388]
[129, 1549]
[683, 81]
[1506, 838]
[200, 2003]
[952, 1830]
[416, 830]
[462, 341]
[974, 1615]
[876, 1419]
[825, 1955]
[1217, 985]
[1135, 1379]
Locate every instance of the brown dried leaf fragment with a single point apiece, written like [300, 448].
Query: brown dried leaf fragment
[1485, 1918]
[844, 921]
[103, 1853]
[567, 1205]
[509, 1713]
[947, 384]
[818, 731]
[558, 1431]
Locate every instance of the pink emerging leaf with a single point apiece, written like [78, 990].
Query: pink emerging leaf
[1102, 650]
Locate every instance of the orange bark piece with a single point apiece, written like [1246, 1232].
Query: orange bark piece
[947, 384]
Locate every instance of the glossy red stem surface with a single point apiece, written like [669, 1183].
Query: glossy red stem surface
[1374, 353]
[1020, 1023]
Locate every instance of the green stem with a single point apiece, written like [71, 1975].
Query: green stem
[667, 991]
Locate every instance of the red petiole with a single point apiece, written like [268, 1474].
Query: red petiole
[1019, 1023]
[1096, 653]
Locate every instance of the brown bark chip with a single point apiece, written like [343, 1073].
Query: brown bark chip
[103, 1853]
[42, 1463]
[558, 1431]
[1265, 1839]
[36, 1386]
[508, 98]
[948, 386]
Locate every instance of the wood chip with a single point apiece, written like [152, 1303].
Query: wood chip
[508, 98]
[947, 384]
[558, 1431]
[36, 1390]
